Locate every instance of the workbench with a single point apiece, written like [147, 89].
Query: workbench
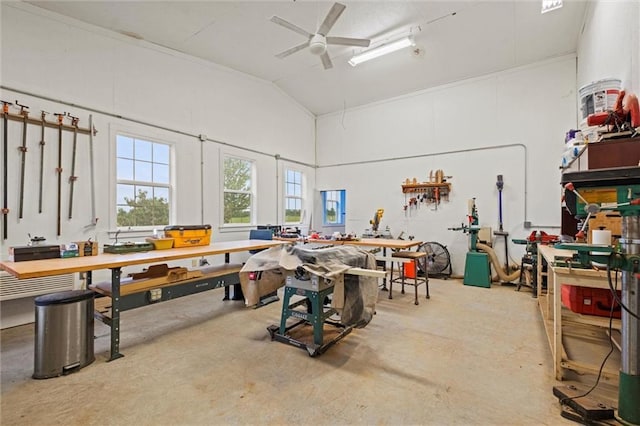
[115, 262]
[557, 318]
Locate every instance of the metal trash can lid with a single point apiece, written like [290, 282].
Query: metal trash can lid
[64, 297]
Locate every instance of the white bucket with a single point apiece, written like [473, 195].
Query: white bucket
[598, 96]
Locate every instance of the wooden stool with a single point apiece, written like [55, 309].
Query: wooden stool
[413, 257]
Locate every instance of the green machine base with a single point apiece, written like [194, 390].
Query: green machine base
[628, 397]
[476, 270]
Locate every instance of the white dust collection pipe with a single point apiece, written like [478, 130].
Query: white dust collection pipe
[496, 264]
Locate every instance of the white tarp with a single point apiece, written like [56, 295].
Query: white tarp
[354, 296]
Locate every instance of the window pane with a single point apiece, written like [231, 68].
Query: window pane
[143, 150]
[290, 174]
[160, 153]
[290, 190]
[124, 147]
[237, 174]
[331, 212]
[161, 194]
[237, 208]
[297, 191]
[124, 193]
[292, 216]
[161, 173]
[293, 210]
[143, 194]
[124, 169]
[143, 171]
[298, 178]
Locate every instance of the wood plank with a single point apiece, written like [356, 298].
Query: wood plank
[366, 272]
[130, 286]
[586, 368]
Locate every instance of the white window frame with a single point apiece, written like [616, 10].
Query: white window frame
[170, 186]
[251, 192]
[286, 196]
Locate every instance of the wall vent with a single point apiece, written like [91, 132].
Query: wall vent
[13, 288]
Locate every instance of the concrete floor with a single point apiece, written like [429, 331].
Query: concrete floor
[468, 355]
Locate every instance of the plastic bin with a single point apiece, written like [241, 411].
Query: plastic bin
[63, 333]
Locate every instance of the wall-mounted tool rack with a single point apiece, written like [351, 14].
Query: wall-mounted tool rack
[41, 122]
[431, 193]
[425, 187]
[51, 124]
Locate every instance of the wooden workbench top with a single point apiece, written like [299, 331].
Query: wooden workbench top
[371, 242]
[47, 267]
[550, 252]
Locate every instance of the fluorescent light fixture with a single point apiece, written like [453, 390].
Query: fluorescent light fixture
[549, 5]
[381, 50]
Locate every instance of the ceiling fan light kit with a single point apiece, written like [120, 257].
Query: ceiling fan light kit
[318, 44]
[382, 50]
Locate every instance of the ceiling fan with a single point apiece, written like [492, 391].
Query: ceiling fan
[318, 42]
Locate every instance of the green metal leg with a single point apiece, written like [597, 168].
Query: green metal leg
[115, 314]
[288, 292]
[317, 319]
[629, 399]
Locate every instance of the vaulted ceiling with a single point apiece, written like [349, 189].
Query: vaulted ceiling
[454, 40]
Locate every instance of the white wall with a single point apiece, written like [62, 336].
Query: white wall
[609, 46]
[61, 61]
[511, 123]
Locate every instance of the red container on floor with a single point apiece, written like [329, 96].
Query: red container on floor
[409, 269]
[590, 301]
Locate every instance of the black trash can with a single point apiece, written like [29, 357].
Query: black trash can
[63, 333]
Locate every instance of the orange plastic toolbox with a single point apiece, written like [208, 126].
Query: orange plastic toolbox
[189, 235]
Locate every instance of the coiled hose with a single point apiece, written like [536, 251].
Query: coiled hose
[496, 264]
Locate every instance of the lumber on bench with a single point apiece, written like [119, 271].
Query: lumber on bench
[130, 286]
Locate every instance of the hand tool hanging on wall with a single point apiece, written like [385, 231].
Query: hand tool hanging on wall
[73, 177]
[59, 168]
[5, 207]
[42, 144]
[92, 132]
[24, 112]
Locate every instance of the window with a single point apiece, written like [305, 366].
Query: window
[333, 209]
[292, 196]
[143, 193]
[238, 191]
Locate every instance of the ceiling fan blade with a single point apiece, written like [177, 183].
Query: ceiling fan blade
[332, 17]
[326, 61]
[289, 25]
[294, 49]
[347, 41]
